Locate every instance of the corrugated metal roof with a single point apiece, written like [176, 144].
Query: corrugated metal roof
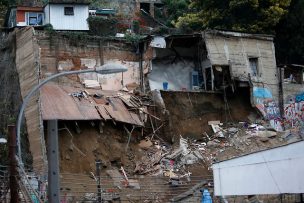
[57, 103]
[105, 12]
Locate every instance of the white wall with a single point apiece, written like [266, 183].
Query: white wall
[65, 22]
[47, 14]
[177, 75]
[275, 171]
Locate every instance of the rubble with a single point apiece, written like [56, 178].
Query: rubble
[229, 140]
[170, 162]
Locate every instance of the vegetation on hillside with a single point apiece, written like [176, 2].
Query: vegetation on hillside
[241, 15]
[289, 39]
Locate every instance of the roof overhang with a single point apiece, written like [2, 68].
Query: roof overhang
[28, 8]
[238, 34]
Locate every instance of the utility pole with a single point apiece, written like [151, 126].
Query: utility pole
[13, 164]
[53, 162]
[98, 168]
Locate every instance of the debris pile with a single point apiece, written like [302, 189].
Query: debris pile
[162, 159]
[228, 141]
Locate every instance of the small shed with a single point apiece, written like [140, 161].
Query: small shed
[67, 14]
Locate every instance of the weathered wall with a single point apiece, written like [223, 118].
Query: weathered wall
[27, 63]
[177, 75]
[59, 53]
[235, 51]
[174, 69]
[128, 7]
[293, 104]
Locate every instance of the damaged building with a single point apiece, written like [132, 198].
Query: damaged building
[184, 102]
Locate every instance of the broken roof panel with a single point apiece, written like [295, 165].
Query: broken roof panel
[119, 112]
[58, 103]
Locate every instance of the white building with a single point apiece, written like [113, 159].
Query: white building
[274, 171]
[67, 14]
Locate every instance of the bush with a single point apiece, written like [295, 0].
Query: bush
[102, 26]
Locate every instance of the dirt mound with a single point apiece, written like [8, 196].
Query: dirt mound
[79, 151]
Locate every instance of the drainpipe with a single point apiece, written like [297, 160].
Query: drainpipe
[281, 96]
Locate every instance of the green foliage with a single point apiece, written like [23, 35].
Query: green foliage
[133, 38]
[136, 26]
[289, 35]
[239, 15]
[77, 38]
[101, 26]
[103, 4]
[49, 28]
[174, 9]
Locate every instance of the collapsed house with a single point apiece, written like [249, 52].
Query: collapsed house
[196, 81]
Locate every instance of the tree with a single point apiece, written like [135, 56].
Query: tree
[290, 35]
[240, 15]
[174, 9]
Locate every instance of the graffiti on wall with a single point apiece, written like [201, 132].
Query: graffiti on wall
[294, 110]
[265, 104]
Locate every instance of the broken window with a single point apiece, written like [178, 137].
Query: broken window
[34, 18]
[222, 78]
[69, 11]
[253, 63]
[294, 74]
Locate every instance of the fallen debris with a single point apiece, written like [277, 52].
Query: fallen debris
[145, 144]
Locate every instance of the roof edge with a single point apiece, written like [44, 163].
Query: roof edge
[239, 34]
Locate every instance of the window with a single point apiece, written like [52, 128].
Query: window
[253, 63]
[34, 18]
[69, 11]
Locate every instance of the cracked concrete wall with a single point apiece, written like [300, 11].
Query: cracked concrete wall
[236, 51]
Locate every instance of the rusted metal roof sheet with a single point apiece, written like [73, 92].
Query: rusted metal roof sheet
[119, 112]
[57, 103]
[102, 112]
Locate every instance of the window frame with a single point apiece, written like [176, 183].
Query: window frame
[68, 13]
[29, 17]
[255, 72]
